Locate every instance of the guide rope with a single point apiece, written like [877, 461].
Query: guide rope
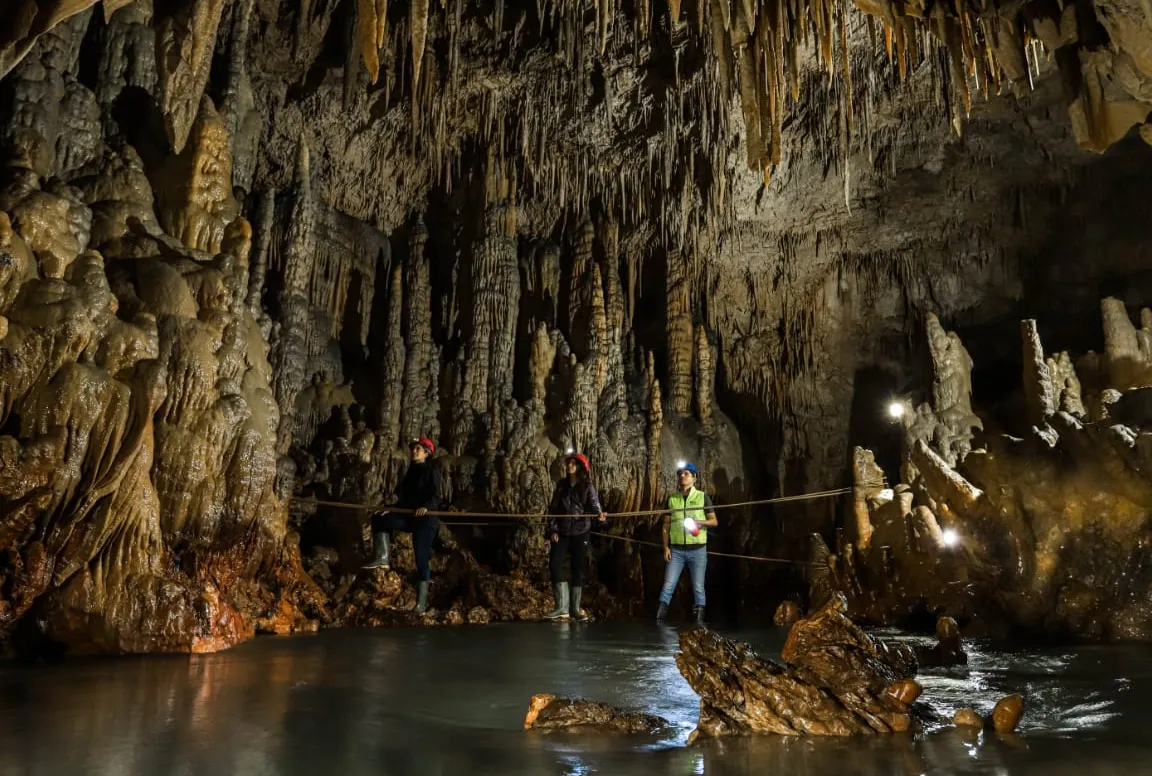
[515, 519]
[543, 516]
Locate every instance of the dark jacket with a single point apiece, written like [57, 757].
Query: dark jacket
[420, 487]
[569, 504]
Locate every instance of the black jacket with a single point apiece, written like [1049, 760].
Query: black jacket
[420, 487]
[569, 505]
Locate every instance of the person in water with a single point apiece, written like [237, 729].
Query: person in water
[573, 501]
[419, 491]
[685, 536]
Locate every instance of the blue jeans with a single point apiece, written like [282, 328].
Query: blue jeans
[696, 560]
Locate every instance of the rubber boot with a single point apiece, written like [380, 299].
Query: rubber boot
[662, 613]
[698, 615]
[381, 544]
[560, 590]
[421, 596]
[574, 606]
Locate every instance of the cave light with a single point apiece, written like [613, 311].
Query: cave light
[950, 537]
[896, 410]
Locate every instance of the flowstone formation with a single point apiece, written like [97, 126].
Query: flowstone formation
[137, 421]
[1039, 525]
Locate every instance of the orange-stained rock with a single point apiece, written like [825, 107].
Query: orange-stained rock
[967, 718]
[839, 681]
[787, 613]
[1006, 716]
[906, 691]
[549, 712]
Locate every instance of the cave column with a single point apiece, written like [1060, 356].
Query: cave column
[679, 332]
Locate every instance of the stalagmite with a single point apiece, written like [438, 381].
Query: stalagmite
[1129, 350]
[654, 478]
[1065, 385]
[705, 379]
[1037, 380]
[194, 190]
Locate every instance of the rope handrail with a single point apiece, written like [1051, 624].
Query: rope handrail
[545, 516]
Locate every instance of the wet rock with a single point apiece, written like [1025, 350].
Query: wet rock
[968, 718]
[548, 712]
[1044, 533]
[837, 680]
[947, 651]
[1007, 713]
[787, 613]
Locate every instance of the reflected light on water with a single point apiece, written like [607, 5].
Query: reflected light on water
[452, 701]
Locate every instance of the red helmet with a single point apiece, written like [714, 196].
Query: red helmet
[424, 442]
[581, 458]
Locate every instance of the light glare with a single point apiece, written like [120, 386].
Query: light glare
[895, 410]
[950, 537]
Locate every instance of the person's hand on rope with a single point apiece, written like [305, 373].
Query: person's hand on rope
[603, 516]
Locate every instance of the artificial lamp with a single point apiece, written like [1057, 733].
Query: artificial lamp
[896, 410]
[691, 526]
[950, 537]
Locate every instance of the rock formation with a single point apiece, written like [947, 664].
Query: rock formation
[547, 712]
[837, 681]
[1045, 532]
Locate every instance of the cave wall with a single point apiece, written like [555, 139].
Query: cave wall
[252, 247]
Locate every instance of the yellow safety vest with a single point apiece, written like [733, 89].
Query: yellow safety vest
[693, 505]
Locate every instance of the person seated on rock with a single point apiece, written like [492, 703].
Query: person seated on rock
[686, 539]
[573, 500]
[420, 492]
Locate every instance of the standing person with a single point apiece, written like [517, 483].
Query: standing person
[418, 491]
[686, 539]
[574, 499]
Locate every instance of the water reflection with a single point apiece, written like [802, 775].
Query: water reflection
[451, 701]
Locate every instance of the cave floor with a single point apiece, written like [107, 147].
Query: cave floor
[452, 701]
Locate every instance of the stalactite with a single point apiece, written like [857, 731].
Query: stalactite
[262, 248]
[128, 57]
[184, 46]
[288, 353]
[418, 20]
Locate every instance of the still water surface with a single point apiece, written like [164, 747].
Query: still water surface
[451, 701]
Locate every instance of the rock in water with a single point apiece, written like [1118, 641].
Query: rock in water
[1006, 716]
[838, 681]
[547, 712]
